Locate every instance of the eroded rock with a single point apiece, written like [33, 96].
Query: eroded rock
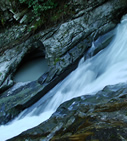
[91, 19]
[101, 116]
[23, 95]
[63, 45]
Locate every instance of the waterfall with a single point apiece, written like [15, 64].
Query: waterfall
[108, 67]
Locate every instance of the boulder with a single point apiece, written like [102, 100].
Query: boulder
[101, 116]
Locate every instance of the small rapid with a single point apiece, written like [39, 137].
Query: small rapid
[108, 67]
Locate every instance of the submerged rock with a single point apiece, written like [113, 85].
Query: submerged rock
[102, 116]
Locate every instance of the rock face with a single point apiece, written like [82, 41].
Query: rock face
[102, 116]
[23, 95]
[62, 46]
[87, 24]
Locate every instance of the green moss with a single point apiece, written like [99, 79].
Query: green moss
[2, 20]
[0, 73]
[63, 60]
[55, 18]
[39, 6]
[56, 60]
[40, 14]
[45, 13]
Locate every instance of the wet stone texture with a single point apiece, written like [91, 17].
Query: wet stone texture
[24, 94]
[63, 44]
[87, 117]
[101, 117]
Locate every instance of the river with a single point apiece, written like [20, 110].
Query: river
[108, 67]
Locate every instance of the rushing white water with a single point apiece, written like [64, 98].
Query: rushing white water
[31, 70]
[107, 67]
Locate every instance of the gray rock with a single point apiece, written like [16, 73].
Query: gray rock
[63, 47]
[96, 19]
[99, 44]
[91, 117]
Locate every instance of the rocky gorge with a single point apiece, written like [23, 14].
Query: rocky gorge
[63, 45]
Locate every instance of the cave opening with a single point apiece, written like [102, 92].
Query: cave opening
[32, 66]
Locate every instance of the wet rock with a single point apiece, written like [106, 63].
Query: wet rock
[7, 84]
[43, 78]
[46, 82]
[63, 47]
[70, 39]
[101, 116]
[12, 58]
[14, 99]
[24, 94]
[91, 22]
[5, 6]
[102, 42]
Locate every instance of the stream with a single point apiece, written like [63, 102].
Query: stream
[108, 67]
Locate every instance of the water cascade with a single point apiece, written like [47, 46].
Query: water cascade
[108, 67]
